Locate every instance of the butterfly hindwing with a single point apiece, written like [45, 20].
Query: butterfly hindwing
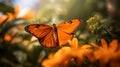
[65, 30]
[63, 37]
[49, 40]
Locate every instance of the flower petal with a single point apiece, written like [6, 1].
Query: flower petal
[104, 44]
[73, 43]
[113, 45]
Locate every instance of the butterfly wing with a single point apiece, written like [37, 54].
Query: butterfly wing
[65, 30]
[49, 40]
[44, 33]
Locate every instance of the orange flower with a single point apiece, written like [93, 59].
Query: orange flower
[107, 52]
[68, 54]
[17, 14]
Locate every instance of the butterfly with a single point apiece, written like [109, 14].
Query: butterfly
[52, 36]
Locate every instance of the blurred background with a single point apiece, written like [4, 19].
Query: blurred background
[20, 49]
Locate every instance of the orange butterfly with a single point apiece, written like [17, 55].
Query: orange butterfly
[52, 36]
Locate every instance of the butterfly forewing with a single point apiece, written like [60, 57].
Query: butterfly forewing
[69, 26]
[65, 30]
[38, 30]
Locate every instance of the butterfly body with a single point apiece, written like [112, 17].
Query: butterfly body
[52, 36]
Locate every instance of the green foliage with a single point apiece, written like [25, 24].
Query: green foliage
[104, 28]
[6, 8]
[95, 25]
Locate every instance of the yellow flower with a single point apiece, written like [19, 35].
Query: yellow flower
[67, 54]
[107, 52]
